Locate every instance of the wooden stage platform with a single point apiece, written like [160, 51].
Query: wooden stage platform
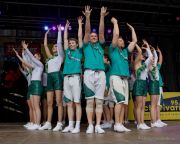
[16, 134]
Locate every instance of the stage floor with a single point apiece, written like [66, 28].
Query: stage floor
[16, 134]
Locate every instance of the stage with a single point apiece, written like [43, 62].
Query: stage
[14, 133]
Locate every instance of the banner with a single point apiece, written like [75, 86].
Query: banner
[170, 110]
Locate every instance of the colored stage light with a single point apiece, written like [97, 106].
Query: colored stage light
[93, 30]
[54, 28]
[62, 28]
[109, 31]
[46, 28]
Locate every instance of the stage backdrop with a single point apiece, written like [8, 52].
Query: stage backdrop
[170, 109]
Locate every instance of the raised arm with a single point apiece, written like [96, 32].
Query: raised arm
[33, 59]
[160, 56]
[80, 19]
[132, 44]
[139, 53]
[155, 57]
[66, 35]
[115, 32]
[87, 14]
[48, 53]
[22, 60]
[101, 24]
[148, 61]
[59, 43]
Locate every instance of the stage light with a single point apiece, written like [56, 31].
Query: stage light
[178, 18]
[53, 28]
[93, 30]
[62, 28]
[46, 28]
[109, 31]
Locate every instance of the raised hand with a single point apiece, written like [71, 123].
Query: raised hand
[104, 11]
[87, 11]
[114, 20]
[67, 25]
[59, 27]
[24, 45]
[158, 50]
[48, 31]
[80, 19]
[130, 27]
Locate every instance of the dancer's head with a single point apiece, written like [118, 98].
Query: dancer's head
[73, 43]
[93, 37]
[120, 42]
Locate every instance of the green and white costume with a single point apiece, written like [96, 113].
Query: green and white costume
[27, 72]
[140, 85]
[36, 79]
[94, 75]
[72, 71]
[154, 77]
[54, 81]
[119, 74]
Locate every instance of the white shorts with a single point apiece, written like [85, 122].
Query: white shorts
[72, 88]
[94, 84]
[160, 96]
[109, 103]
[119, 89]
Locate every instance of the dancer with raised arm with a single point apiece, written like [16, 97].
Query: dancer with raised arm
[54, 83]
[94, 75]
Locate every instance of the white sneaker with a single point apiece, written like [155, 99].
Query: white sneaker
[106, 125]
[161, 123]
[58, 127]
[143, 126]
[126, 129]
[46, 126]
[90, 129]
[98, 129]
[67, 129]
[75, 130]
[28, 124]
[34, 127]
[118, 128]
[155, 124]
[139, 126]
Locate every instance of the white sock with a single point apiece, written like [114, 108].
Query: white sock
[71, 123]
[78, 124]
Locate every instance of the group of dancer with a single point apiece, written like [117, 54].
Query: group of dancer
[105, 78]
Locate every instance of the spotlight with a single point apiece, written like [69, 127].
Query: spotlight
[109, 31]
[178, 18]
[93, 30]
[54, 28]
[62, 28]
[46, 28]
